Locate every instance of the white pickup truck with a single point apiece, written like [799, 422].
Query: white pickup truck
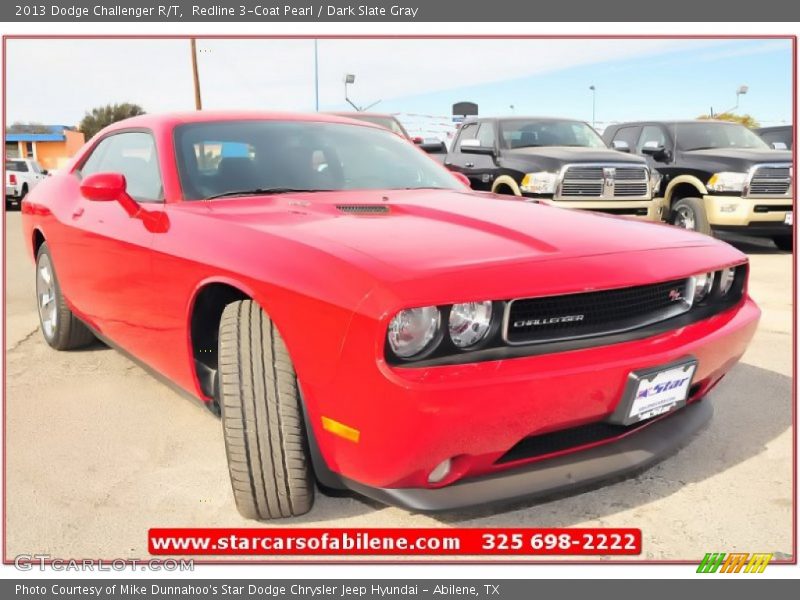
[22, 175]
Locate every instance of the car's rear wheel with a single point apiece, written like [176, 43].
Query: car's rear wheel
[262, 419]
[784, 242]
[689, 213]
[61, 328]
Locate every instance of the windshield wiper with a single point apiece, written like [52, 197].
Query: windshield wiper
[260, 191]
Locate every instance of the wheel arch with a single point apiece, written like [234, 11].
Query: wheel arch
[508, 182]
[204, 314]
[684, 186]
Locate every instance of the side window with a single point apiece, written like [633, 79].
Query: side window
[486, 134]
[468, 132]
[134, 155]
[35, 168]
[629, 135]
[651, 133]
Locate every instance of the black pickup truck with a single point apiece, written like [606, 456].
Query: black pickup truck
[716, 175]
[560, 161]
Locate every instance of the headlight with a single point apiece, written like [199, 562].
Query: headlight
[469, 323]
[702, 286]
[655, 182]
[413, 330]
[726, 277]
[727, 182]
[539, 183]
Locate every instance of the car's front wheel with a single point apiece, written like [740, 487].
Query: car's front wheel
[61, 328]
[689, 213]
[262, 419]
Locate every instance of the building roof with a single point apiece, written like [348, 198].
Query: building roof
[56, 134]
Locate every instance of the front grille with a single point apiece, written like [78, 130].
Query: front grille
[574, 316]
[604, 182]
[575, 437]
[771, 181]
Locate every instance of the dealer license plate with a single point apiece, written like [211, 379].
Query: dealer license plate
[653, 392]
[788, 219]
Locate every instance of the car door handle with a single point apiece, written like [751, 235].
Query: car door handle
[469, 164]
[78, 213]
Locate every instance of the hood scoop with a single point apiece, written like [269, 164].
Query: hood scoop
[363, 209]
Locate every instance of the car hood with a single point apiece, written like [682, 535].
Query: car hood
[423, 232]
[738, 159]
[569, 154]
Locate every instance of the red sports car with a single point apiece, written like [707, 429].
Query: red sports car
[363, 320]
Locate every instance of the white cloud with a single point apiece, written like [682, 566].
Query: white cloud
[56, 81]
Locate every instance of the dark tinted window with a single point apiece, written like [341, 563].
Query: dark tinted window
[523, 133]
[710, 135]
[651, 135]
[783, 136]
[486, 134]
[630, 135]
[229, 157]
[20, 166]
[467, 132]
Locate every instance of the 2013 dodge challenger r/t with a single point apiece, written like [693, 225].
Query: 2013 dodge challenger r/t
[363, 320]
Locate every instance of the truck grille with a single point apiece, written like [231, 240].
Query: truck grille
[604, 182]
[772, 180]
[574, 316]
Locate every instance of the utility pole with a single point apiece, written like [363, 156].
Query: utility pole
[198, 103]
[316, 74]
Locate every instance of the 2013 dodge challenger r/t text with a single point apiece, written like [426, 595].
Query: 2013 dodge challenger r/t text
[363, 320]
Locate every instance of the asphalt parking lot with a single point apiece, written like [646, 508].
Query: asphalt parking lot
[98, 451]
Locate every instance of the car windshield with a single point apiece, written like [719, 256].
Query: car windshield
[229, 158]
[526, 133]
[18, 166]
[709, 136]
[385, 121]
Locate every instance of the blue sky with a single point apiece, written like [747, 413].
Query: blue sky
[676, 84]
[57, 81]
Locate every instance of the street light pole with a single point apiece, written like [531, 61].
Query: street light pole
[198, 103]
[594, 104]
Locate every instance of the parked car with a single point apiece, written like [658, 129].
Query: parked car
[562, 161]
[22, 175]
[362, 318]
[780, 137]
[432, 146]
[717, 176]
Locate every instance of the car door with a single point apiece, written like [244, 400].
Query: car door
[456, 160]
[478, 167]
[104, 257]
[666, 164]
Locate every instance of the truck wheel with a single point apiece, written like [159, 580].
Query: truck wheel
[23, 193]
[784, 242]
[689, 213]
[262, 420]
[61, 329]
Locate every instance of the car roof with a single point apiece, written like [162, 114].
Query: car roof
[672, 122]
[171, 120]
[354, 114]
[520, 118]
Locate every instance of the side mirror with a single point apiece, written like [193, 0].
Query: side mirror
[462, 178]
[779, 146]
[656, 150]
[417, 139]
[106, 187]
[621, 146]
[103, 187]
[473, 146]
[45, 172]
[434, 147]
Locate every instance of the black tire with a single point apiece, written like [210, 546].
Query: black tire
[61, 329]
[689, 213]
[23, 193]
[784, 242]
[262, 420]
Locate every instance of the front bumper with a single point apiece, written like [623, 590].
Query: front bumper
[647, 210]
[409, 420]
[571, 472]
[737, 212]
